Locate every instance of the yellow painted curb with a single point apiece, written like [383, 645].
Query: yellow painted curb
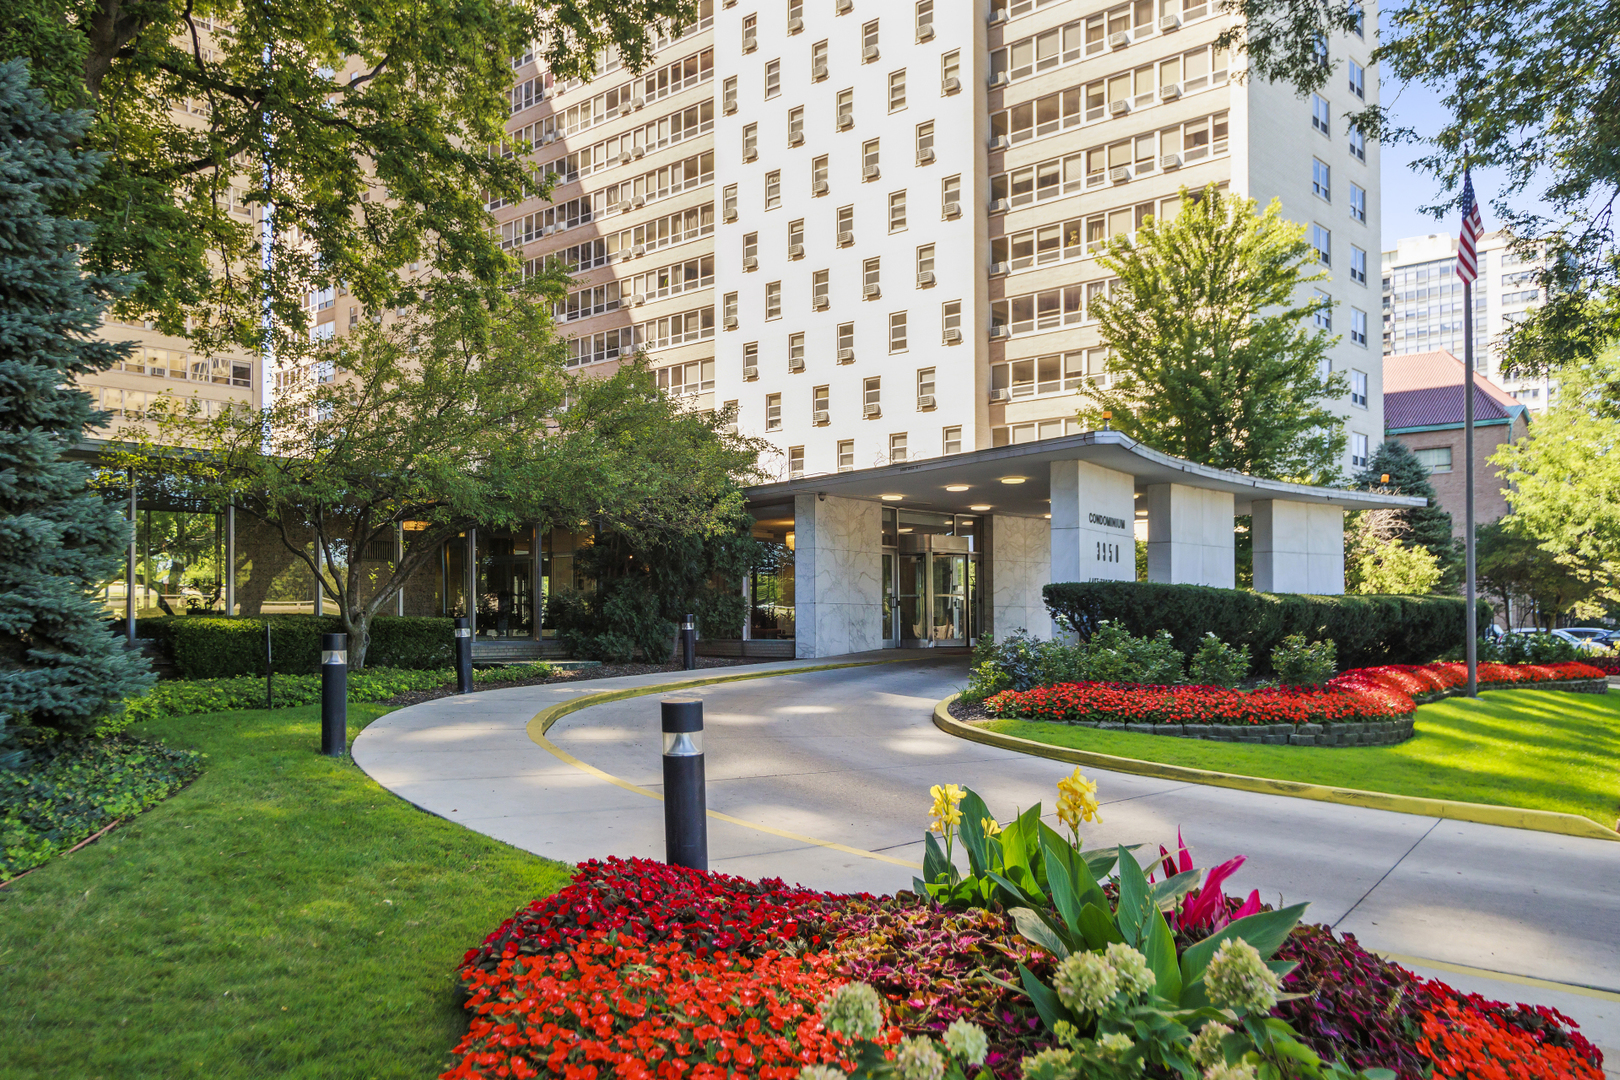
[545, 718]
[1501, 976]
[1482, 813]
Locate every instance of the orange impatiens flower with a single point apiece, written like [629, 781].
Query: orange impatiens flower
[1466, 1043]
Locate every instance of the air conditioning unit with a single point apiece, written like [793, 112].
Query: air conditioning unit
[549, 230]
[1000, 269]
[925, 401]
[846, 121]
[750, 43]
[953, 209]
[872, 292]
[639, 201]
[731, 322]
[1171, 92]
[820, 187]
[1119, 40]
[1120, 107]
[639, 152]
[1000, 79]
[871, 172]
[999, 16]
[731, 213]
[845, 239]
[750, 372]
[730, 106]
[953, 336]
[624, 157]
[869, 54]
[874, 409]
[729, 429]
[795, 251]
[1170, 22]
[818, 72]
[795, 363]
[1000, 142]
[820, 416]
[841, 6]
[1120, 175]
[1000, 206]
[751, 153]
[925, 279]
[1001, 395]
[925, 155]
[950, 85]
[638, 103]
[821, 302]
[925, 32]
[637, 300]
[1170, 161]
[750, 262]
[795, 138]
[1000, 333]
[795, 25]
[638, 251]
[846, 356]
[548, 138]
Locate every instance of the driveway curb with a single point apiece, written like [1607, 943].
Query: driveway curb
[1481, 813]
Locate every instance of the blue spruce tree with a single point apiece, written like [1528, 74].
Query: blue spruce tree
[60, 668]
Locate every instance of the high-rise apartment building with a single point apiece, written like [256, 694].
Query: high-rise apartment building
[873, 227]
[1423, 307]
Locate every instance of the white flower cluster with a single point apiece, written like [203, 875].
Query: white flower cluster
[1086, 982]
[1230, 1072]
[1131, 968]
[853, 1009]
[822, 1072]
[1206, 1045]
[1238, 979]
[967, 1041]
[919, 1059]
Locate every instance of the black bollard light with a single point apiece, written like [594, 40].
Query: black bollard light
[689, 642]
[686, 824]
[463, 655]
[334, 694]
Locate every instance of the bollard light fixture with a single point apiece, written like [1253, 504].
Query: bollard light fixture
[686, 826]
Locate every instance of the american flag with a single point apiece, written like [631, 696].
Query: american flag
[1473, 226]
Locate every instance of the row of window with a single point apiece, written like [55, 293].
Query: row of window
[135, 404]
[871, 402]
[659, 134]
[1078, 237]
[898, 340]
[656, 85]
[174, 364]
[1116, 28]
[1322, 123]
[631, 194]
[657, 284]
[1180, 144]
[668, 231]
[608, 60]
[899, 448]
[1322, 188]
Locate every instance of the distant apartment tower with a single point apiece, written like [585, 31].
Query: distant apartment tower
[872, 227]
[1423, 305]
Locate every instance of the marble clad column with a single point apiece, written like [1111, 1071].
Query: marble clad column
[838, 576]
[1190, 539]
[1020, 557]
[1093, 522]
[1298, 547]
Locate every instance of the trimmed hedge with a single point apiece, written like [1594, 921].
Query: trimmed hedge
[220, 647]
[1369, 631]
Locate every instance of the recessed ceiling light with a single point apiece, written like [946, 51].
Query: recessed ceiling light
[891, 498]
[980, 507]
[957, 487]
[1048, 517]
[905, 530]
[1013, 479]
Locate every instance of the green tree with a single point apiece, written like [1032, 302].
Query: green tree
[462, 413]
[1533, 587]
[1210, 355]
[1527, 86]
[371, 127]
[1563, 480]
[1396, 568]
[1427, 527]
[61, 669]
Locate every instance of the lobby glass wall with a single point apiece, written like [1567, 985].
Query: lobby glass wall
[931, 570]
[771, 603]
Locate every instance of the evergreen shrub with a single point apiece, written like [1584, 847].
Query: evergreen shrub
[220, 647]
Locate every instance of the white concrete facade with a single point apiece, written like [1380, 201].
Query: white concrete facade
[1093, 515]
[1020, 565]
[839, 574]
[1298, 547]
[1190, 536]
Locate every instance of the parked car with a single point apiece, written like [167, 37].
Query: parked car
[1589, 638]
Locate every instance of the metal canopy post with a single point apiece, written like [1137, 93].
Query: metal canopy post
[230, 559]
[129, 566]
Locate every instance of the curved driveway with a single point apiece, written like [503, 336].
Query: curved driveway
[846, 757]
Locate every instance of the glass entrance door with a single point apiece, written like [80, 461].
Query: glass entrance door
[505, 585]
[913, 596]
[949, 599]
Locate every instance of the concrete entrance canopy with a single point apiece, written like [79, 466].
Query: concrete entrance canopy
[1065, 509]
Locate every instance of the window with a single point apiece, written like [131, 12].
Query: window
[925, 261]
[728, 308]
[925, 388]
[818, 404]
[1358, 80]
[869, 40]
[950, 192]
[773, 412]
[1358, 336]
[1360, 26]
[773, 189]
[897, 90]
[796, 126]
[950, 72]
[872, 274]
[871, 158]
[951, 318]
[1358, 266]
[846, 455]
[728, 201]
[1323, 315]
[951, 441]
[1322, 241]
[1319, 52]
[751, 360]
[750, 248]
[897, 211]
[897, 447]
[818, 61]
[1435, 458]
[1320, 114]
[773, 300]
[872, 394]
[925, 143]
[1321, 180]
[846, 224]
[846, 108]
[1358, 449]
[795, 352]
[818, 176]
[1358, 145]
[795, 237]
[820, 284]
[728, 95]
[795, 462]
[1358, 379]
[925, 19]
[773, 79]
[750, 33]
[795, 10]
[750, 145]
[1358, 203]
[897, 332]
[846, 340]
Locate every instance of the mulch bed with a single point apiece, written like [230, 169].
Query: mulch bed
[600, 671]
[961, 710]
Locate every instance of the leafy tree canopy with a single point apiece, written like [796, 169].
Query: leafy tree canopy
[1211, 358]
[1427, 527]
[1533, 586]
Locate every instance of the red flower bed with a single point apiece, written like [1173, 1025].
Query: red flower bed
[1378, 693]
[1470, 1038]
[1609, 665]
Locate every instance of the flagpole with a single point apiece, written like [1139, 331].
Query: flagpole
[1468, 490]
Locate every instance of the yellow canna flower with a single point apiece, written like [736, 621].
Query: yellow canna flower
[946, 810]
[1077, 801]
[991, 826]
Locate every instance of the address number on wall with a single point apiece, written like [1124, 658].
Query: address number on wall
[1107, 552]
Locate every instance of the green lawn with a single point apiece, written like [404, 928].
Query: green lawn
[282, 917]
[1533, 749]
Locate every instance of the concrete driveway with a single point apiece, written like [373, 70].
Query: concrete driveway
[822, 777]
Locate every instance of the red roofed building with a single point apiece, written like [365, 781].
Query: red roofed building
[1423, 408]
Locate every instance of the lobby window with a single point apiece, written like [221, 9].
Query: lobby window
[950, 196]
[819, 410]
[1358, 330]
[897, 90]
[897, 448]
[820, 284]
[1321, 180]
[750, 142]
[1358, 266]
[773, 79]
[750, 249]
[897, 211]
[773, 412]
[925, 388]
[773, 300]
[925, 264]
[1321, 114]
[728, 95]
[795, 237]
[796, 126]
[950, 72]
[925, 143]
[1358, 145]
[795, 352]
[846, 455]
[728, 202]
[773, 189]
[1358, 449]
[872, 395]
[1358, 203]
[795, 462]
[1322, 241]
[845, 108]
[897, 332]
[1358, 80]
[1358, 388]
[1436, 459]
[818, 61]
[818, 176]
[1322, 317]
[951, 440]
